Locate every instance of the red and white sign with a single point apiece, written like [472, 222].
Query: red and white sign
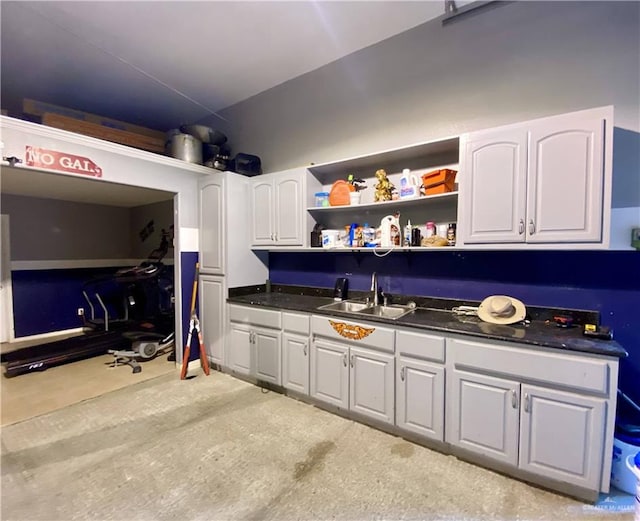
[54, 160]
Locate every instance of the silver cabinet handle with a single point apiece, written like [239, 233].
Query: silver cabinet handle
[526, 402]
[275, 236]
[304, 350]
[344, 359]
[532, 227]
[514, 399]
[351, 360]
[402, 373]
[521, 227]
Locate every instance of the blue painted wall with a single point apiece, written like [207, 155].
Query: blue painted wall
[45, 301]
[188, 260]
[48, 300]
[607, 281]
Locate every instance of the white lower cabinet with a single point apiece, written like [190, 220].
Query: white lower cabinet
[550, 432]
[330, 372]
[268, 363]
[485, 415]
[352, 367]
[240, 356]
[212, 306]
[371, 389]
[420, 397]
[420, 382]
[295, 352]
[254, 343]
[572, 452]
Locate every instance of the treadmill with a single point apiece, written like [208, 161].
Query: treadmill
[104, 334]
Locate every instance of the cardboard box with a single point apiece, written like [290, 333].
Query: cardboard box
[439, 181]
[40, 108]
[109, 134]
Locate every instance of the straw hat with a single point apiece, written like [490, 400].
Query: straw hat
[501, 309]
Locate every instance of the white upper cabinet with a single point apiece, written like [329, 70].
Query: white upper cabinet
[212, 225]
[494, 189]
[262, 211]
[277, 209]
[546, 181]
[288, 209]
[566, 179]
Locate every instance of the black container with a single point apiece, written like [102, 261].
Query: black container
[416, 237]
[340, 289]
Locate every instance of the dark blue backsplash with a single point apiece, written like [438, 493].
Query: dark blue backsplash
[606, 281]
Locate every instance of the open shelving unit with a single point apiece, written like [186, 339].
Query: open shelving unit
[419, 159]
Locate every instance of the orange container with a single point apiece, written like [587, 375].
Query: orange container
[439, 181]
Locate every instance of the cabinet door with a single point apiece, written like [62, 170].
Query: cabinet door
[371, 384]
[262, 224]
[330, 372]
[288, 210]
[493, 187]
[212, 305]
[268, 356]
[571, 453]
[484, 415]
[211, 206]
[295, 362]
[566, 179]
[420, 398]
[239, 349]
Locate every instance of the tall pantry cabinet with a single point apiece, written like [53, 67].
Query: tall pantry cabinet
[226, 260]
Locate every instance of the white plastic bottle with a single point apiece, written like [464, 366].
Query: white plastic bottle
[407, 234]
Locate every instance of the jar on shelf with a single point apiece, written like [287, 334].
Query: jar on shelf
[451, 234]
[431, 229]
[322, 199]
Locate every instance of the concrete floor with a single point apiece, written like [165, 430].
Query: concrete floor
[33, 394]
[217, 448]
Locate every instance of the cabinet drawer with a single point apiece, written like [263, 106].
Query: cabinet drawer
[295, 322]
[360, 333]
[561, 369]
[420, 345]
[255, 316]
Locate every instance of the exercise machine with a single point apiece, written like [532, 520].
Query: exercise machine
[131, 315]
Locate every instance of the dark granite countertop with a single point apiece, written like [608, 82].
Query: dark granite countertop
[433, 314]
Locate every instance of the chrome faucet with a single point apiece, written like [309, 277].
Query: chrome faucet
[374, 288]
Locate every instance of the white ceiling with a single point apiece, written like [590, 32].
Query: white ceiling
[162, 64]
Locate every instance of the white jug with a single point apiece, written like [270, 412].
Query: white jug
[409, 186]
[390, 231]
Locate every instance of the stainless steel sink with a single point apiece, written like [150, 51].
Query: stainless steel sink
[347, 306]
[392, 311]
[367, 309]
